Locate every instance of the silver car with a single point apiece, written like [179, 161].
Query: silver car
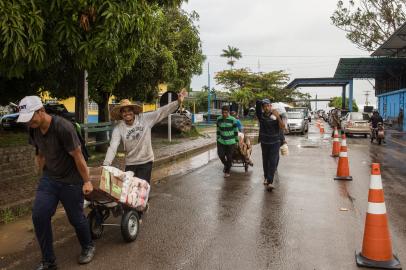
[356, 123]
[297, 122]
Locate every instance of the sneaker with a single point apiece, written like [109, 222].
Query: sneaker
[270, 187]
[87, 255]
[226, 175]
[47, 266]
[265, 181]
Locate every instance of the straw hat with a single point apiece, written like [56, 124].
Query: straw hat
[116, 112]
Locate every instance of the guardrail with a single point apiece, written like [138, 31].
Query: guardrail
[97, 128]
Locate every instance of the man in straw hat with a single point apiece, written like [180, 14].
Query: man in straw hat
[134, 130]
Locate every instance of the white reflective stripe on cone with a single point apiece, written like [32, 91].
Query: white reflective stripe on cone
[344, 143]
[336, 140]
[376, 208]
[343, 154]
[376, 182]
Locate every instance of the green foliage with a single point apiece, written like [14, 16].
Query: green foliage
[233, 54]
[246, 86]
[46, 45]
[338, 101]
[202, 98]
[173, 59]
[368, 23]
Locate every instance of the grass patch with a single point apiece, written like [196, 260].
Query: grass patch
[12, 139]
[9, 215]
[192, 133]
[166, 142]
[248, 122]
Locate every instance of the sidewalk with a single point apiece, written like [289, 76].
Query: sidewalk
[16, 197]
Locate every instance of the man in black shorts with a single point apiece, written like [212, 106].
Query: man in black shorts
[65, 178]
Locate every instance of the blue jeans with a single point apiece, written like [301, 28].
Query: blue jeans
[49, 193]
[270, 159]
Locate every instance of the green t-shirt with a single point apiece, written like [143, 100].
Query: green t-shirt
[227, 130]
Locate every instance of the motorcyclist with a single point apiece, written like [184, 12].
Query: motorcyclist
[374, 120]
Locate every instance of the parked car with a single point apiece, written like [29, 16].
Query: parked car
[297, 122]
[214, 114]
[59, 109]
[9, 121]
[356, 123]
[304, 110]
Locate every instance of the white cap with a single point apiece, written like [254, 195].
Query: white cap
[27, 107]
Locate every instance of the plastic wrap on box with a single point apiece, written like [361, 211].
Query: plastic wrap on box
[133, 191]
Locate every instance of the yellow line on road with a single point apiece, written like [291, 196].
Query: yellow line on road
[398, 142]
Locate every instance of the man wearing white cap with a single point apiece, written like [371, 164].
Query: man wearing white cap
[65, 178]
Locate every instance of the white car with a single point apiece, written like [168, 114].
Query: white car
[297, 122]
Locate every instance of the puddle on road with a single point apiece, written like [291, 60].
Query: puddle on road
[184, 165]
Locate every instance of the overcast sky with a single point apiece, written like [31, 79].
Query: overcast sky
[292, 35]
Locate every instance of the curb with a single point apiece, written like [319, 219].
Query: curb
[15, 207]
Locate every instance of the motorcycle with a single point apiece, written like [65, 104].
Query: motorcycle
[378, 133]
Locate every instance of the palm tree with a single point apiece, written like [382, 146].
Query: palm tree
[232, 54]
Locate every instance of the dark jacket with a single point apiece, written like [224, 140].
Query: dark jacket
[269, 130]
[375, 120]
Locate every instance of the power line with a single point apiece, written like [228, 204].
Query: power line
[294, 56]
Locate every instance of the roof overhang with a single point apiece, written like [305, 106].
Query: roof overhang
[395, 45]
[369, 68]
[317, 82]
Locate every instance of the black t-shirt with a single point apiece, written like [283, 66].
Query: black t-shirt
[55, 145]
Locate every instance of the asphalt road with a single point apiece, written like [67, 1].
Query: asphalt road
[202, 221]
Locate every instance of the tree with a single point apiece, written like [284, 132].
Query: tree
[49, 42]
[369, 23]
[232, 54]
[338, 101]
[174, 59]
[245, 86]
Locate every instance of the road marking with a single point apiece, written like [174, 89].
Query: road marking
[398, 142]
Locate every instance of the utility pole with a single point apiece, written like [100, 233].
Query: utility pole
[169, 119]
[366, 97]
[259, 66]
[209, 96]
[316, 102]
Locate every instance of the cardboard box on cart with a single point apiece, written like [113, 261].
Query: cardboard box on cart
[106, 182]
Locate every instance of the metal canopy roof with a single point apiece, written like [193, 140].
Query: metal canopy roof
[317, 82]
[395, 45]
[369, 68]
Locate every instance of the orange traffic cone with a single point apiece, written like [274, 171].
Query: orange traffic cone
[343, 168]
[376, 246]
[321, 128]
[336, 144]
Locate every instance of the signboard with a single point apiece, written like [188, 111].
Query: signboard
[197, 118]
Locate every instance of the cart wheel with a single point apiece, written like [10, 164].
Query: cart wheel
[95, 224]
[129, 225]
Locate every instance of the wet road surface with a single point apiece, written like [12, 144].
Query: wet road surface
[202, 221]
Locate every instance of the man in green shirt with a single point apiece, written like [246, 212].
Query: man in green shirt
[227, 138]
